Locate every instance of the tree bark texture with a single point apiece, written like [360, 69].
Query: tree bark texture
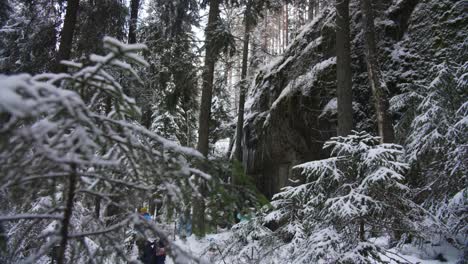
[343, 69]
[243, 86]
[66, 38]
[211, 51]
[134, 6]
[311, 9]
[70, 194]
[208, 74]
[379, 90]
[286, 25]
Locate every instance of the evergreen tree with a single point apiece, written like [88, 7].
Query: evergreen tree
[172, 76]
[436, 144]
[97, 19]
[62, 151]
[342, 201]
[28, 37]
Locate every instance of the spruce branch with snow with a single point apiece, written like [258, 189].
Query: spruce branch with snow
[64, 155]
[356, 192]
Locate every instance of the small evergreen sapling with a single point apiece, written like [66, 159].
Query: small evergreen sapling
[356, 193]
[361, 183]
[59, 151]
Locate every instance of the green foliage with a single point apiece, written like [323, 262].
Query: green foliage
[169, 96]
[224, 199]
[240, 178]
[97, 19]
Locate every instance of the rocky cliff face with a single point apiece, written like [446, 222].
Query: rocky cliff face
[284, 124]
[291, 108]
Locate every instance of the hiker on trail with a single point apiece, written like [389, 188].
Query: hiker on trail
[184, 228]
[148, 256]
[154, 252]
[160, 248]
[145, 214]
[244, 216]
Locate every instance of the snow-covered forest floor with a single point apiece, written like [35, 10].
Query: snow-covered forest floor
[211, 247]
[332, 130]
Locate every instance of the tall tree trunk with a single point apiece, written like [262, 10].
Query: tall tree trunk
[70, 194]
[265, 36]
[286, 25]
[379, 90]
[280, 31]
[134, 6]
[243, 86]
[208, 75]
[343, 69]
[66, 38]
[205, 109]
[317, 7]
[311, 9]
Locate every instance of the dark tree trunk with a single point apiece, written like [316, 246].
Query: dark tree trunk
[66, 38]
[317, 7]
[97, 207]
[379, 91]
[311, 9]
[343, 69]
[70, 194]
[362, 230]
[147, 116]
[286, 25]
[243, 86]
[3, 241]
[205, 109]
[134, 6]
[208, 75]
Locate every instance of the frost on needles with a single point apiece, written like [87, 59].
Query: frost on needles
[343, 201]
[75, 163]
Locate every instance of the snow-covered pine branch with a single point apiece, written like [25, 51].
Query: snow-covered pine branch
[70, 143]
[357, 191]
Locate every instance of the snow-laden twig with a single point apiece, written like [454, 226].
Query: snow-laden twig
[30, 216]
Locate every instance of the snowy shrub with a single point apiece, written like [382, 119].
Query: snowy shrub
[345, 199]
[356, 194]
[74, 168]
[437, 144]
[250, 242]
[360, 185]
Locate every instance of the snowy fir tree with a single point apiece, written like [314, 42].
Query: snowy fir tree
[65, 151]
[28, 37]
[325, 131]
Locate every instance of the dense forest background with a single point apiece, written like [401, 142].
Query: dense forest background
[338, 127]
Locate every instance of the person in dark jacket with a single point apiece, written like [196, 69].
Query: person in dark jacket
[160, 249]
[149, 256]
[154, 252]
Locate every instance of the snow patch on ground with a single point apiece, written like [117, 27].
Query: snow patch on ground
[221, 147]
[205, 248]
[208, 249]
[330, 108]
